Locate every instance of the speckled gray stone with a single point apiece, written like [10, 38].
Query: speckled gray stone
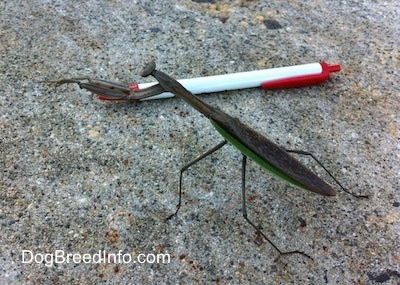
[83, 176]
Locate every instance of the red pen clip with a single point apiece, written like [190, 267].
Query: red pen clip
[303, 80]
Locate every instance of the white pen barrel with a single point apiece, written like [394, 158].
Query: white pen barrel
[241, 80]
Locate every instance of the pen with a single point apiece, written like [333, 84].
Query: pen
[274, 78]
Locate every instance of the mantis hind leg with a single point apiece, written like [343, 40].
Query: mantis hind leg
[244, 213]
[326, 170]
[183, 169]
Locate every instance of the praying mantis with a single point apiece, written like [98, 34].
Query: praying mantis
[249, 142]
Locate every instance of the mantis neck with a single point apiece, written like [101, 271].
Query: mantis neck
[171, 85]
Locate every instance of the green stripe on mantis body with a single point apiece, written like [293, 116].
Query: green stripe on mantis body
[253, 156]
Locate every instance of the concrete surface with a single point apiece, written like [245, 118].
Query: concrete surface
[81, 176]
